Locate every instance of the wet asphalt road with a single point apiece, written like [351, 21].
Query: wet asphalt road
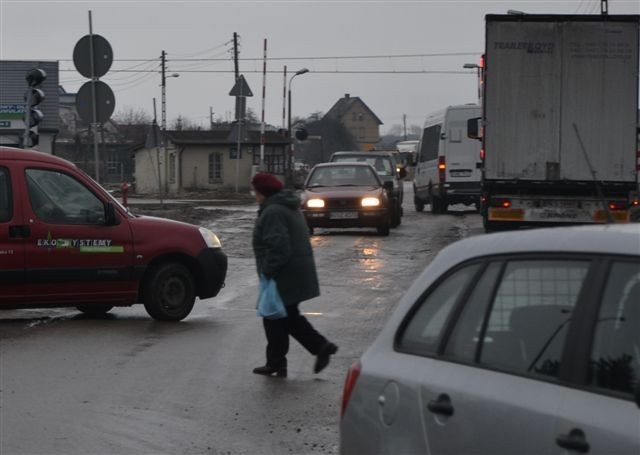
[126, 384]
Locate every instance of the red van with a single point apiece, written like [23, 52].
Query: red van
[65, 241]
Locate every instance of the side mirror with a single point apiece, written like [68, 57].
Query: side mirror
[637, 395]
[473, 128]
[388, 185]
[110, 217]
[402, 173]
[298, 186]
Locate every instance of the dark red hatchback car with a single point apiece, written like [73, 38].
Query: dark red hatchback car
[346, 195]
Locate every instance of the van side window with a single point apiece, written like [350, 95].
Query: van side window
[5, 196]
[59, 199]
[429, 143]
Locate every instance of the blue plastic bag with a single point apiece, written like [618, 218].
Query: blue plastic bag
[270, 304]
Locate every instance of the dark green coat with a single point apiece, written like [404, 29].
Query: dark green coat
[283, 250]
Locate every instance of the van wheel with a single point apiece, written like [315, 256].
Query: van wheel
[169, 292]
[435, 205]
[94, 310]
[418, 203]
[310, 230]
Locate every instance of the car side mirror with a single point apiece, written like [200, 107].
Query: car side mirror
[473, 128]
[388, 185]
[298, 186]
[402, 173]
[110, 217]
[637, 395]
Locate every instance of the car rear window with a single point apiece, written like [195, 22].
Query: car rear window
[5, 196]
[615, 356]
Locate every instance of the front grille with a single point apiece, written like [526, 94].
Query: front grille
[343, 203]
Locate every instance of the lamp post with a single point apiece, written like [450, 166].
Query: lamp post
[165, 156]
[478, 69]
[290, 155]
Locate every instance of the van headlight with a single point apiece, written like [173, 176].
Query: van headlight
[210, 238]
[315, 203]
[370, 202]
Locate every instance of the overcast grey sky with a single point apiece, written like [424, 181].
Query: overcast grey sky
[296, 32]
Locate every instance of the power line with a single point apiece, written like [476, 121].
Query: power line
[335, 57]
[313, 71]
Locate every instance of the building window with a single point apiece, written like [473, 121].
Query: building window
[360, 117]
[233, 153]
[172, 168]
[361, 133]
[215, 167]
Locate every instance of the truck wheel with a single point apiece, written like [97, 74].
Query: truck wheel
[418, 203]
[94, 310]
[444, 205]
[169, 292]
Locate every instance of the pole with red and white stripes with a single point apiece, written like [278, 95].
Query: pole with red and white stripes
[264, 91]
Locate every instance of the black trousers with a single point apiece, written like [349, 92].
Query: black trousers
[296, 325]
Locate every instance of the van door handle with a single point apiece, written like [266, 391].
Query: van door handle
[18, 232]
[575, 440]
[441, 406]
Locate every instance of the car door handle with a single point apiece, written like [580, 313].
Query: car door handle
[575, 440]
[17, 231]
[441, 406]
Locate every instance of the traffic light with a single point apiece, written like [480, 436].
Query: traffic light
[33, 97]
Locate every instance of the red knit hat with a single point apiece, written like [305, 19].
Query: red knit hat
[266, 184]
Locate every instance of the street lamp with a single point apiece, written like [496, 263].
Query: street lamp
[478, 69]
[290, 157]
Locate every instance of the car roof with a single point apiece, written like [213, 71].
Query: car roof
[379, 154]
[344, 163]
[16, 154]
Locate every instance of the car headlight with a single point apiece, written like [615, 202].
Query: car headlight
[210, 238]
[315, 203]
[370, 202]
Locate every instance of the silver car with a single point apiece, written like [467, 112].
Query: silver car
[513, 343]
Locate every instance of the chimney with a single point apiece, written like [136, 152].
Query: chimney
[346, 95]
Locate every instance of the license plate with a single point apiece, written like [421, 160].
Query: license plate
[460, 173]
[343, 215]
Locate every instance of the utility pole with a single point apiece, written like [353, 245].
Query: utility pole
[210, 117]
[235, 54]
[164, 120]
[404, 121]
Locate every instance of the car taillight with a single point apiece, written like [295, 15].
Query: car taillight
[442, 169]
[482, 154]
[500, 202]
[638, 160]
[617, 205]
[349, 384]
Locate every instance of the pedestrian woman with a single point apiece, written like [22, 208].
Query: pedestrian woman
[283, 252]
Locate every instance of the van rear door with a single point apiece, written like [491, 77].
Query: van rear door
[12, 238]
[461, 153]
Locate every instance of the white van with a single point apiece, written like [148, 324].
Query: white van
[447, 169]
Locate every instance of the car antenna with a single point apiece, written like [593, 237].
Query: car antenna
[593, 174]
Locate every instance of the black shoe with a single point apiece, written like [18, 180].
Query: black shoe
[322, 359]
[280, 372]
